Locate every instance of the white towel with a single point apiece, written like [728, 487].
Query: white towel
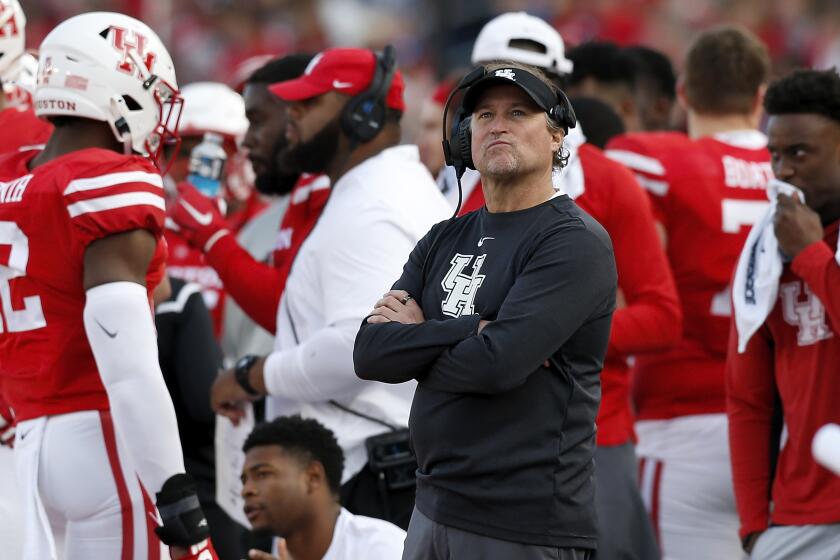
[756, 283]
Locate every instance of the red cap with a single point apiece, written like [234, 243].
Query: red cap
[347, 71]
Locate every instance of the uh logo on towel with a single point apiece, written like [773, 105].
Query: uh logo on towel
[808, 315]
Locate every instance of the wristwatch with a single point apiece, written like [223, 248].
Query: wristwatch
[242, 371]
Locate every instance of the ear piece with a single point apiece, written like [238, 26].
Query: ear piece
[364, 115]
[457, 149]
[563, 112]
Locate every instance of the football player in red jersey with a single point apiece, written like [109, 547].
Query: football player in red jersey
[80, 224]
[647, 317]
[707, 188]
[788, 369]
[212, 107]
[19, 124]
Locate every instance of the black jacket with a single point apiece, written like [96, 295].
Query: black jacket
[504, 443]
[190, 359]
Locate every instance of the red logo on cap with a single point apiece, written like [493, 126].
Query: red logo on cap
[126, 41]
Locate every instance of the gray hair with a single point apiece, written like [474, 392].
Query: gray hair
[561, 156]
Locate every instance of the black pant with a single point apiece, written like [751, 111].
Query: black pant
[363, 495]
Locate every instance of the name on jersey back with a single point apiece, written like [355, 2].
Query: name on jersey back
[744, 174]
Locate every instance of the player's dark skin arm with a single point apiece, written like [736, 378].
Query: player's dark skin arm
[122, 257]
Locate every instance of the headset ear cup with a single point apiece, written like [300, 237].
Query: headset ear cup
[363, 118]
[565, 113]
[465, 143]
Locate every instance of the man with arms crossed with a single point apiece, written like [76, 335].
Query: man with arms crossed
[503, 317]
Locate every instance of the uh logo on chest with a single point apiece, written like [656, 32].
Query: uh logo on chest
[462, 281]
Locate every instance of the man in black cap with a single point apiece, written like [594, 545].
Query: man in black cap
[503, 317]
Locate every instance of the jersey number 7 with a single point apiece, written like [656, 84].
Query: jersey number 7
[735, 214]
[31, 317]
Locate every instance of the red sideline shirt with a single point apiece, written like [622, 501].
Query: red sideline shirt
[190, 265]
[706, 193]
[795, 356]
[257, 286]
[48, 217]
[21, 128]
[651, 319]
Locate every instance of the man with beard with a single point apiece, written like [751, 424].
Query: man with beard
[254, 285]
[344, 115]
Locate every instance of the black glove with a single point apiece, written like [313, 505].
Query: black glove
[183, 521]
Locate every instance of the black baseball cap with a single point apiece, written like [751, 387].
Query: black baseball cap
[543, 95]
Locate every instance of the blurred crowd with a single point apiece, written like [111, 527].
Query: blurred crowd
[666, 139]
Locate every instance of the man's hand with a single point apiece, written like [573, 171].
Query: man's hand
[796, 225]
[183, 525]
[228, 398]
[198, 217]
[399, 306]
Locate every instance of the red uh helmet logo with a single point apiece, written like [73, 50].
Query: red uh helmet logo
[127, 41]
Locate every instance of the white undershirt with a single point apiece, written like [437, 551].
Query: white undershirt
[357, 537]
[376, 214]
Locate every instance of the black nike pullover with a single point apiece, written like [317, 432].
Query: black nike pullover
[504, 443]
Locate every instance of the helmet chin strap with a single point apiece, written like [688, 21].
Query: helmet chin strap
[120, 127]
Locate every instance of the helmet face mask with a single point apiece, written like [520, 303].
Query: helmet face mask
[163, 143]
[112, 68]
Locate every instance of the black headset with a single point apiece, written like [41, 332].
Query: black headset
[457, 152]
[364, 115]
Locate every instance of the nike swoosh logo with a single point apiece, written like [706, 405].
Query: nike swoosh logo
[23, 435]
[106, 331]
[341, 85]
[483, 239]
[202, 219]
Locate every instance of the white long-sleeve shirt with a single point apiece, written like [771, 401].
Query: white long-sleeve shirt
[376, 214]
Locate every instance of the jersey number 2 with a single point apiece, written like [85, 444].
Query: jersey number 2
[31, 317]
[735, 214]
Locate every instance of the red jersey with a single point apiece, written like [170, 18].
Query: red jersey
[21, 128]
[793, 356]
[706, 193]
[651, 318]
[48, 216]
[190, 265]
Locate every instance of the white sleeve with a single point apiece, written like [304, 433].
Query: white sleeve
[121, 331]
[363, 263]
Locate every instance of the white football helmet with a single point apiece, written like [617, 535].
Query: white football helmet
[213, 107]
[113, 68]
[12, 37]
[495, 38]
